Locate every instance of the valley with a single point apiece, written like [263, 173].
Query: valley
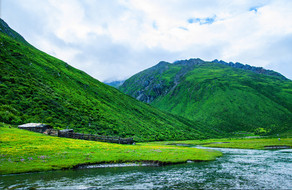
[209, 124]
[36, 87]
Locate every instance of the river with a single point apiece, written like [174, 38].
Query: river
[236, 169]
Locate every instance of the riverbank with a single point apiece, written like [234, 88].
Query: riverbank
[241, 143]
[25, 151]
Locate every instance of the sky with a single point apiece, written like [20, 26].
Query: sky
[115, 39]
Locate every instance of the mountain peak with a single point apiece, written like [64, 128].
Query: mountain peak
[4, 28]
[192, 61]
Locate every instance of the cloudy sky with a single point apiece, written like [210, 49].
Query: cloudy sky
[114, 39]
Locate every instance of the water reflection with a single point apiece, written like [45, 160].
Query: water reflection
[237, 169]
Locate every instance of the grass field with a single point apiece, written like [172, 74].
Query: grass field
[25, 151]
[242, 143]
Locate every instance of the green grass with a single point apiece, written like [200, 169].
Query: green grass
[241, 143]
[217, 96]
[25, 151]
[36, 87]
[253, 143]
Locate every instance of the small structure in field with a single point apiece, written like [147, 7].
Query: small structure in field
[36, 127]
[66, 133]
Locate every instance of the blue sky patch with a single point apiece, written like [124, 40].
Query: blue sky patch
[255, 9]
[154, 25]
[201, 21]
[183, 28]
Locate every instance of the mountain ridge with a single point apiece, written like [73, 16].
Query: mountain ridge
[259, 70]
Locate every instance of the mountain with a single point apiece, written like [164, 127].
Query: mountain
[115, 84]
[228, 97]
[36, 87]
[4, 28]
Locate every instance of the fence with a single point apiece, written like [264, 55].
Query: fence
[96, 138]
[71, 134]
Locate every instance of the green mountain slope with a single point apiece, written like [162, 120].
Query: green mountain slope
[226, 96]
[36, 87]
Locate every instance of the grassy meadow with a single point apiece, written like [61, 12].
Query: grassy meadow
[241, 143]
[25, 151]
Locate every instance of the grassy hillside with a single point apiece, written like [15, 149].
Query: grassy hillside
[25, 151]
[36, 87]
[218, 95]
[242, 143]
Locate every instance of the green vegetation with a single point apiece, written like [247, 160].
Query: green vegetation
[242, 143]
[218, 96]
[36, 87]
[25, 151]
[253, 143]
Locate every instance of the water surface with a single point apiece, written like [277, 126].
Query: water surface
[236, 169]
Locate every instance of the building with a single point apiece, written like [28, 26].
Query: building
[36, 127]
[66, 133]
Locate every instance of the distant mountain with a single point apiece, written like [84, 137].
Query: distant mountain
[36, 87]
[115, 84]
[228, 97]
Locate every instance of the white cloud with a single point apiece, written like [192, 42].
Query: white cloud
[67, 53]
[114, 39]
